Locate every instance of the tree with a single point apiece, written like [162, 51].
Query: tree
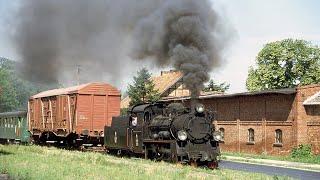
[15, 91]
[213, 86]
[143, 89]
[285, 64]
[8, 96]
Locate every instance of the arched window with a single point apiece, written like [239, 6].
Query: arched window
[222, 133]
[278, 138]
[250, 135]
[12, 122]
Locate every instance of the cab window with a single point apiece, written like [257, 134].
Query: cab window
[133, 120]
[147, 117]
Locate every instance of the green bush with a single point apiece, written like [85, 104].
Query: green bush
[123, 111]
[302, 151]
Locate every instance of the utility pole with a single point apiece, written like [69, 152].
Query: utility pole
[78, 74]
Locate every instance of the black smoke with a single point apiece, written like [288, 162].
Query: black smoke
[54, 36]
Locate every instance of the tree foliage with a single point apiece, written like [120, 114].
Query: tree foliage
[143, 89]
[15, 91]
[285, 64]
[213, 86]
[8, 96]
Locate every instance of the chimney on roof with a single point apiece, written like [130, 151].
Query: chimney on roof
[168, 72]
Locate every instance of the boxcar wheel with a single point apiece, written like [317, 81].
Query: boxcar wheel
[212, 164]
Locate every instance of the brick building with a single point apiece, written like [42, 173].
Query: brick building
[271, 122]
[168, 84]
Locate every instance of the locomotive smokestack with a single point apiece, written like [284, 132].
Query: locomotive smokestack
[193, 103]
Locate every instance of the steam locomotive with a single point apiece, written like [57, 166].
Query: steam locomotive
[166, 132]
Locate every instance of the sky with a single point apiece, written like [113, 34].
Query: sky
[258, 22]
[254, 23]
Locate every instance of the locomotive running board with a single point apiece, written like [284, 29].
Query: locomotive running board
[87, 145]
[158, 141]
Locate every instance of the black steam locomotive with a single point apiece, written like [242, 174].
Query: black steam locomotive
[166, 132]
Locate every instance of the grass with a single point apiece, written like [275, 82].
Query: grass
[34, 162]
[313, 159]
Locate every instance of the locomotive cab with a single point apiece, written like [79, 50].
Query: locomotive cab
[126, 133]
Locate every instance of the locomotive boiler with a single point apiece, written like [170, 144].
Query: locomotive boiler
[166, 132]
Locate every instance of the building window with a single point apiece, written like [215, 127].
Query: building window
[222, 133]
[250, 135]
[278, 139]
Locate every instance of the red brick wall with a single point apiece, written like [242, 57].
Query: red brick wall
[280, 108]
[252, 108]
[308, 118]
[263, 113]
[245, 147]
[287, 138]
[274, 107]
[230, 137]
[226, 109]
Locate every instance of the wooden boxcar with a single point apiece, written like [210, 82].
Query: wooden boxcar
[74, 115]
[14, 127]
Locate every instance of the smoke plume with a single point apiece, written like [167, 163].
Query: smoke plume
[184, 33]
[53, 37]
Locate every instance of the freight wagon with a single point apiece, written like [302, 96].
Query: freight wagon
[14, 127]
[73, 116]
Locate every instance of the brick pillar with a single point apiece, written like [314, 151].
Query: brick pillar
[264, 127]
[238, 127]
[264, 135]
[301, 120]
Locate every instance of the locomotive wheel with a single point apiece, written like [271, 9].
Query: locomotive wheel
[212, 164]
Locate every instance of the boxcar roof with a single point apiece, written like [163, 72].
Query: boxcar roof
[13, 114]
[71, 90]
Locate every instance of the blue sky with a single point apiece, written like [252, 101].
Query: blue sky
[255, 22]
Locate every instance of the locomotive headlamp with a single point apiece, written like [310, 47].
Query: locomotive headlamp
[199, 108]
[217, 136]
[182, 135]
